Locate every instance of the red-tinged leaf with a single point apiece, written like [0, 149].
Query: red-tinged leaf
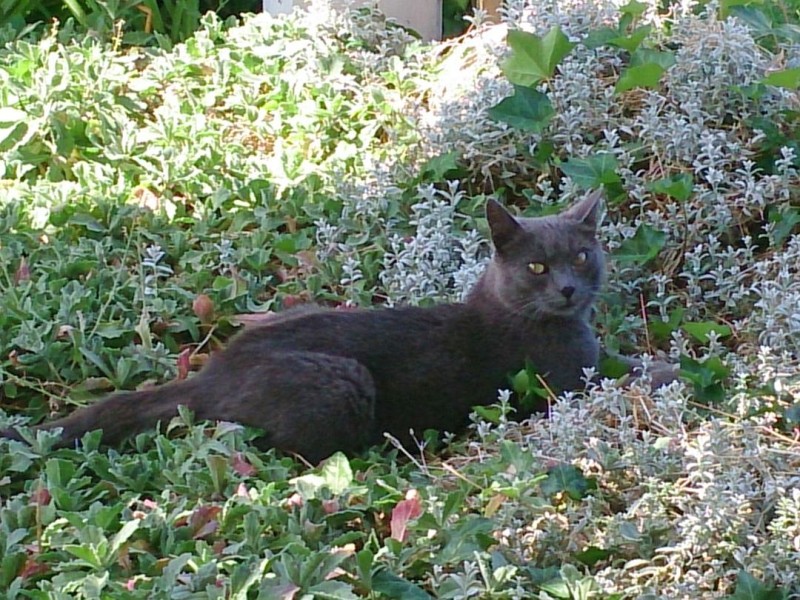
[241, 466]
[294, 500]
[32, 568]
[219, 547]
[286, 592]
[41, 496]
[202, 515]
[405, 511]
[184, 363]
[23, 272]
[206, 530]
[330, 506]
[290, 301]
[241, 491]
[203, 308]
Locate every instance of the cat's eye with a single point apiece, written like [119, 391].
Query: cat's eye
[537, 268]
[581, 257]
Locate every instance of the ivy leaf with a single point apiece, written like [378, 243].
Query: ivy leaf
[600, 37]
[707, 377]
[527, 109]
[643, 247]
[592, 555]
[783, 223]
[750, 588]
[592, 171]
[633, 41]
[679, 187]
[647, 75]
[662, 330]
[633, 8]
[532, 58]
[726, 6]
[439, 166]
[700, 331]
[787, 78]
[568, 479]
[644, 56]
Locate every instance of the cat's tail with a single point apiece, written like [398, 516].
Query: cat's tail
[123, 415]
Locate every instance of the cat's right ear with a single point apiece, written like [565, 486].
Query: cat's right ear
[503, 225]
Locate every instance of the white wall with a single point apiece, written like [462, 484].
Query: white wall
[423, 16]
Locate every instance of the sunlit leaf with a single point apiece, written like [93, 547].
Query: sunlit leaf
[642, 76]
[532, 58]
[700, 330]
[787, 78]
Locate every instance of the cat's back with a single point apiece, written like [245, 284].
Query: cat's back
[352, 331]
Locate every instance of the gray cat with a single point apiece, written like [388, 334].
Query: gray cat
[318, 381]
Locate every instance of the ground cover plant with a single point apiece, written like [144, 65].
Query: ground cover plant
[154, 199]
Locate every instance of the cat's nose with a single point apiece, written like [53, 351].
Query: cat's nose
[567, 291]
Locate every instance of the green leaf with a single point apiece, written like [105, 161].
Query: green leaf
[87, 554]
[613, 367]
[643, 247]
[490, 414]
[642, 76]
[437, 168]
[633, 8]
[787, 78]
[725, 6]
[592, 555]
[532, 58]
[392, 586]
[633, 41]
[122, 536]
[679, 187]
[527, 109]
[647, 55]
[700, 331]
[707, 377]
[337, 474]
[783, 223]
[600, 37]
[662, 330]
[592, 171]
[568, 479]
[333, 590]
[750, 588]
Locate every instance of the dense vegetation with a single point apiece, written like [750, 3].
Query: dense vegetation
[154, 198]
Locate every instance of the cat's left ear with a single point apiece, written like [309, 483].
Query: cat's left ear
[504, 226]
[587, 210]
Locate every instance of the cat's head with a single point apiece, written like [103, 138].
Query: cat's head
[547, 266]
